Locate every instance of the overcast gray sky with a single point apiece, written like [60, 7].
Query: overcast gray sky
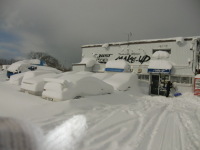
[60, 27]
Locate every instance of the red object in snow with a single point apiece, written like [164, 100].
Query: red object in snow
[197, 85]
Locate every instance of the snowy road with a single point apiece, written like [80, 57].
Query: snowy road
[122, 120]
[152, 123]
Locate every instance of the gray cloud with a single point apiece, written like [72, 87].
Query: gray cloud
[60, 27]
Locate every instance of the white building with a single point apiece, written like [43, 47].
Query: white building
[156, 61]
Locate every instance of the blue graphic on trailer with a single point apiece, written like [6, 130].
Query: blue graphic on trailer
[114, 69]
[159, 70]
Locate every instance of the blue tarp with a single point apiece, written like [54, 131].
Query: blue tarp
[114, 69]
[159, 70]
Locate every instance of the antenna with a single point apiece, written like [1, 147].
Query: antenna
[129, 36]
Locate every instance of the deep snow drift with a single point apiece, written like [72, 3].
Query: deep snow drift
[123, 120]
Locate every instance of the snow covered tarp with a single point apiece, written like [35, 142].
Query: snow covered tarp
[73, 85]
[117, 66]
[35, 85]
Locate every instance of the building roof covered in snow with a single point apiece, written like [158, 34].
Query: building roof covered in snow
[174, 39]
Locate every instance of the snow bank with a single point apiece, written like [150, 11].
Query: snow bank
[88, 62]
[159, 64]
[160, 55]
[121, 81]
[112, 65]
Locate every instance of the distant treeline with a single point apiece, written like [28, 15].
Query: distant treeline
[50, 60]
[4, 61]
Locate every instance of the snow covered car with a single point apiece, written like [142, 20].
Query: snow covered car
[77, 84]
[17, 79]
[121, 81]
[35, 85]
[23, 66]
[18, 67]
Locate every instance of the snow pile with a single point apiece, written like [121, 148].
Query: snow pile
[88, 62]
[67, 135]
[159, 64]
[66, 89]
[160, 55]
[122, 81]
[117, 64]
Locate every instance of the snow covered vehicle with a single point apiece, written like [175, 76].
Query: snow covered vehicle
[35, 85]
[23, 66]
[17, 79]
[71, 85]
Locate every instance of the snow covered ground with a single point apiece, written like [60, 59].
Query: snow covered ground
[123, 120]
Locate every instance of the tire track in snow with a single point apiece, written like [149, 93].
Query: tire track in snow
[155, 129]
[192, 136]
[169, 134]
[132, 122]
[143, 134]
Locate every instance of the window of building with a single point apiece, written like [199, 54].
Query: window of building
[181, 79]
[165, 50]
[175, 79]
[143, 77]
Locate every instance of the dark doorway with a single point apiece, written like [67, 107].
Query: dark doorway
[155, 84]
